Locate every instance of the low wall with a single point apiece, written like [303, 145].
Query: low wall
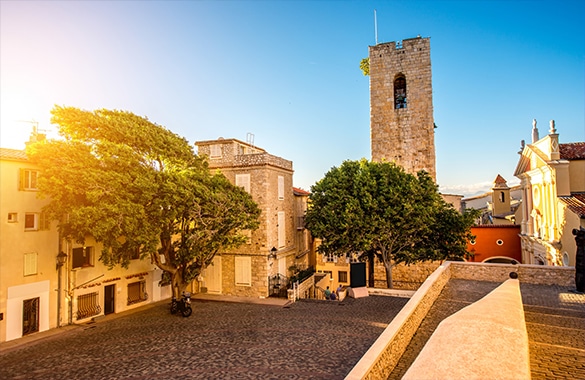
[499, 337]
[379, 361]
[530, 274]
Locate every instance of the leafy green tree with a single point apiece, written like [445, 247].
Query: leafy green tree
[136, 187]
[365, 66]
[377, 209]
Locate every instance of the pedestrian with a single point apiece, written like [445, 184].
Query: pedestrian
[327, 293]
[339, 289]
[333, 297]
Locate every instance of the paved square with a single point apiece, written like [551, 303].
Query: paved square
[221, 340]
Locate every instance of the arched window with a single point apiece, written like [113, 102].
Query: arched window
[400, 91]
[502, 197]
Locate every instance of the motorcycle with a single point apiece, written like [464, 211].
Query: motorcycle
[183, 305]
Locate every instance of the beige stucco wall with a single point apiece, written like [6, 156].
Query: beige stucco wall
[15, 287]
[15, 242]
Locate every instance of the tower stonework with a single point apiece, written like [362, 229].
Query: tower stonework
[401, 105]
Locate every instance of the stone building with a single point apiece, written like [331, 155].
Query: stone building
[552, 179]
[401, 104]
[500, 206]
[261, 267]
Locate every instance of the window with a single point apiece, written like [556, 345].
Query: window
[44, 221]
[499, 242]
[280, 187]
[400, 92]
[82, 257]
[502, 197]
[243, 270]
[31, 221]
[243, 180]
[28, 179]
[12, 217]
[215, 151]
[135, 254]
[88, 305]
[30, 263]
[281, 230]
[342, 276]
[137, 292]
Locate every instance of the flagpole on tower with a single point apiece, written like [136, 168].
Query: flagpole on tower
[376, 26]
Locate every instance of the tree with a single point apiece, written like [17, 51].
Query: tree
[375, 208]
[136, 187]
[365, 66]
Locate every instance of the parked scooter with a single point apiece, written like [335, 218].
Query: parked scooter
[183, 305]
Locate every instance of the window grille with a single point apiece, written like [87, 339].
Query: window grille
[88, 305]
[137, 292]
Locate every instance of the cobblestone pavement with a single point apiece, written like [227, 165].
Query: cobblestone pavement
[555, 321]
[221, 340]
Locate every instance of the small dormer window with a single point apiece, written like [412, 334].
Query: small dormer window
[400, 92]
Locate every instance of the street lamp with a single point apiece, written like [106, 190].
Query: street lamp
[61, 260]
[272, 254]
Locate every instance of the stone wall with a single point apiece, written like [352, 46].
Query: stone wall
[383, 355]
[381, 358]
[405, 135]
[532, 274]
[407, 277]
[500, 344]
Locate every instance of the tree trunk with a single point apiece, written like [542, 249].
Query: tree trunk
[388, 266]
[178, 284]
[371, 281]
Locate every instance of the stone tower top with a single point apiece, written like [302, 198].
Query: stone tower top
[401, 104]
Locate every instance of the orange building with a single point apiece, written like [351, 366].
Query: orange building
[495, 243]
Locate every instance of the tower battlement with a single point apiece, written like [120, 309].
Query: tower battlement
[401, 104]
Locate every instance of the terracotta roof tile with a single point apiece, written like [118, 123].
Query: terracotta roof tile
[500, 180]
[12, 154]
[576, 203]
[572, 151]
[298, 191]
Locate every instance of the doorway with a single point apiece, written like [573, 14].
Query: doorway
[109, 299]
[30, 316]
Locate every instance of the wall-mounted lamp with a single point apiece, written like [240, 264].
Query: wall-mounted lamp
[61, 259]
[272, 254]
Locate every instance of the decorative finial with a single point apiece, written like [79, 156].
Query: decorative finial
[522, 145]
[552, 127]
[534, 132]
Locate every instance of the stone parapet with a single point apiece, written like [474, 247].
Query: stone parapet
[381, 358]
[500, 337]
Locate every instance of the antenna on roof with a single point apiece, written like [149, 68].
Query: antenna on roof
[250, 138]
[376, 26]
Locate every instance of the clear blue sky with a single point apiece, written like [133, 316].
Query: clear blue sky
[288, 72]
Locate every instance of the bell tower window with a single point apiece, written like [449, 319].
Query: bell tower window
[400, 91]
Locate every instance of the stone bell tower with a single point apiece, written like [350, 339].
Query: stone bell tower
[401, 105]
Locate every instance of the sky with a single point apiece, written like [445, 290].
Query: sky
[287, 72]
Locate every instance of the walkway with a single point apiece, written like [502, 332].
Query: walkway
[555, 320]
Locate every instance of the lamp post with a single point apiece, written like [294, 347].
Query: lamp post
[61, 260]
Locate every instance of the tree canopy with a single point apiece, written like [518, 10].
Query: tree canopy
[138, 188]
[377, 209]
